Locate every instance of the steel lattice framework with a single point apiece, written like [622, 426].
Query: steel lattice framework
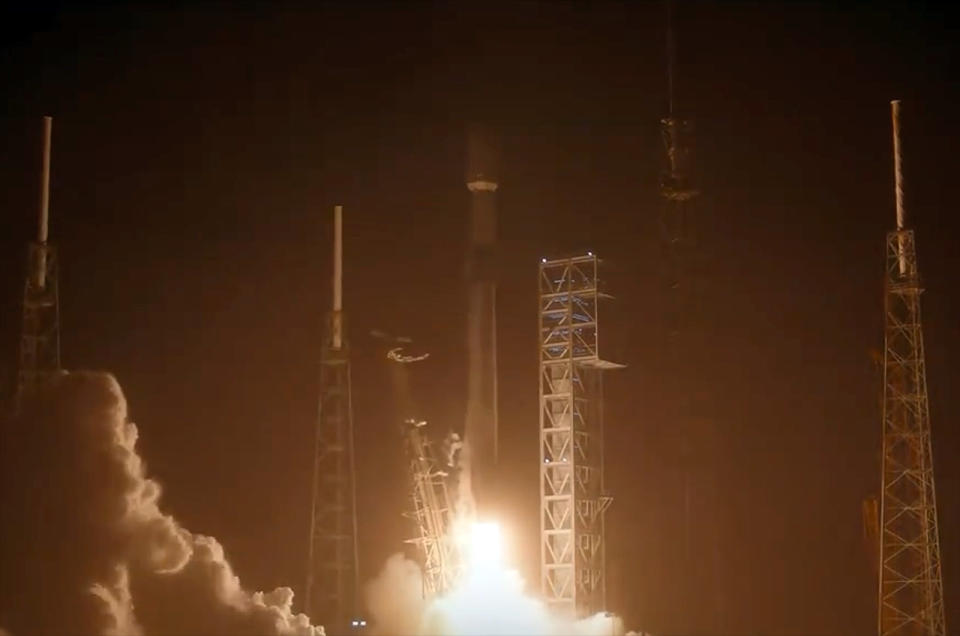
[432, 513]
[40, 333]
[677, 190]
[40, 329]
[332, 589]
[572, 497]
[911, 588]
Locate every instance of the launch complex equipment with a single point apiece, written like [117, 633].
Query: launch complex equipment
[910, 583]
[677, 191]
[685, 411]
[572, 495]
[332, 589]
[433, 511]
[40, 332]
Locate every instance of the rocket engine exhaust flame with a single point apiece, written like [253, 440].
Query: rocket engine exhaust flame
[488, 600]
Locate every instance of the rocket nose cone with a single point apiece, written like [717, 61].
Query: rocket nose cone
[482, 154]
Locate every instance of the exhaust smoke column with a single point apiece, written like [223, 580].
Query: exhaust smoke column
[480, 454]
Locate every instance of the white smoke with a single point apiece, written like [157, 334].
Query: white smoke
[487, 600]
[86, 548]
[494, 604]
[395, 598]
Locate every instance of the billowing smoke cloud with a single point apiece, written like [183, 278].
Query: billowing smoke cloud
[491, 603]
[395, 598]
[85, 546]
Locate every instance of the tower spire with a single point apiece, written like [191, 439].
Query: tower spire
[671, 58]
[332, 589]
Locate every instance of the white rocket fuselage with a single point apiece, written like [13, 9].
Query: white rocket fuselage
[481, 421]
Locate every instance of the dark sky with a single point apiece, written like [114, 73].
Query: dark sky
[197, 154]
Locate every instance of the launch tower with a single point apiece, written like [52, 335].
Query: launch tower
[572, 496]
[40, 334]
[910, 585]
[332, 594]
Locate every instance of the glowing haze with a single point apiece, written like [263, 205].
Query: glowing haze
[488, 600]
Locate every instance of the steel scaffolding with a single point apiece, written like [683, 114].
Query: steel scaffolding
[40, 329]
[911, 589]
[433, 512]
[910, 584]
[40, 332]
[572, 496]
[332, 594]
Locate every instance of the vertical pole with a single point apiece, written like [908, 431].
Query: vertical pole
[671, 53]
[897, 161]
[40, 271]
[337, 334]
[898, 182]
[45, 182]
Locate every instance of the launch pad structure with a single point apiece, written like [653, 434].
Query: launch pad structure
[40, 331]
[910, 599]
[572, 495]
[332, 587]
[433, 511]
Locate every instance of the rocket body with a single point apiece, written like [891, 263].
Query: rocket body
[481, 419]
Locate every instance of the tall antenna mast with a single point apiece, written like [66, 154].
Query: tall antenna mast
[332, 590]
[910, 599]
[40, 332]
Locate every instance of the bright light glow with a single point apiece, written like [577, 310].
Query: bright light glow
[486, 545]
[489, 598]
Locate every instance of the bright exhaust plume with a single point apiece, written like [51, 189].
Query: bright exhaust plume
[488, 600]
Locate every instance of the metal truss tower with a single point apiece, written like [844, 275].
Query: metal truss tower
[910, 584]
[572, 496]
[332, 594]
[433, 511]
[677, 190]
[40, 334]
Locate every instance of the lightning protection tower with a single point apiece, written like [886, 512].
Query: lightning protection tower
[910, 585]
[677, 191]
[332, 578]
[572, 496]
[40, 334]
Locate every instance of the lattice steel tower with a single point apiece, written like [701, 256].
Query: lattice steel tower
[572, 495]
[332, 594]
[677, 191]
[910, 585]
[40, 334]
[433, 511]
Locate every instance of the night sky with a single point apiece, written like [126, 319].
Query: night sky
[197, 154]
